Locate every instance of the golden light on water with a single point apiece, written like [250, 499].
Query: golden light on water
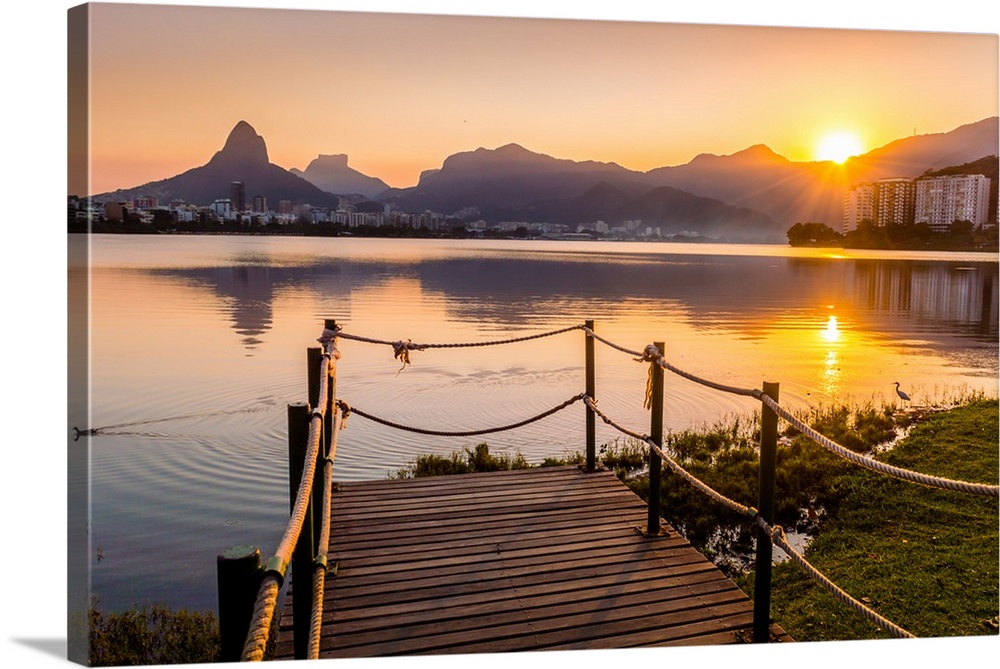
[831, 333]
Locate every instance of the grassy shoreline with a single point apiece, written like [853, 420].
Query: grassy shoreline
[924, 558]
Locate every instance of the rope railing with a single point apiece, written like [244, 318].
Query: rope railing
[741, 509]
[875, 465]
[401, 349]
[778, 538]
[264, 609]
[265, 605]
[776, 533]
[652, 354]
[347, 410]
[321, 563]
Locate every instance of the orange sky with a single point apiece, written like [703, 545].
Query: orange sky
[399, 94]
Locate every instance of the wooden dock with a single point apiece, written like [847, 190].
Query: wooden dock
[528, 560]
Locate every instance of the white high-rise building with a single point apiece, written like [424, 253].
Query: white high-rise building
[940, 201]
[859, 205]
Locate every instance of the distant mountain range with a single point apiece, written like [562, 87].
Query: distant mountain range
[751, 195]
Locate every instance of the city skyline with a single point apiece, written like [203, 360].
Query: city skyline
[399, 93]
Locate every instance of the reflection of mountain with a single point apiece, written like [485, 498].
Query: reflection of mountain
[249, 288]
[525, 291]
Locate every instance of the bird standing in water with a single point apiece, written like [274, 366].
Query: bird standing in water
[902, 395]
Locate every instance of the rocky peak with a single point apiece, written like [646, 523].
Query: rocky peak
[244, 144]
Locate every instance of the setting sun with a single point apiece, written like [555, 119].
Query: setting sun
[838, 147]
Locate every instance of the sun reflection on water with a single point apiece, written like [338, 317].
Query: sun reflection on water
[831, 333]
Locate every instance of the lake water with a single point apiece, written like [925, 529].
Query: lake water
[199, 343]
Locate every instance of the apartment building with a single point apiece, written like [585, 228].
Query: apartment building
[940, 201]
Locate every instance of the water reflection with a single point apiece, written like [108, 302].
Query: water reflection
[962, 296]
[831, 332]
[736, 293]
[211, 333]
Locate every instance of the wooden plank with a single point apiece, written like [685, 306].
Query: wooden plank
[518, 560]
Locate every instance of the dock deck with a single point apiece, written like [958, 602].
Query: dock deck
[525, 560]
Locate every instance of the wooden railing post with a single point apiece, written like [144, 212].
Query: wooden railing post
[591, 382]
[329, 324]
[314, 356]
[656, 434]
[765, 506]
[239, 573]
[303, 554]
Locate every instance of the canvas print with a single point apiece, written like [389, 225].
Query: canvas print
[405, 335]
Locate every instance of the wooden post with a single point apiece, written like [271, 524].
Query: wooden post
[330, 324]
[591, 382]
[239, 573]
[303, 554]
[656, 434]
[765, 506]
[314, 357]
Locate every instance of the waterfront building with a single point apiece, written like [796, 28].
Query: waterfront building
[940, 201]
[894, 202]
[859, 205]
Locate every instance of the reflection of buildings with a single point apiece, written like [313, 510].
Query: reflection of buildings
[931, 291]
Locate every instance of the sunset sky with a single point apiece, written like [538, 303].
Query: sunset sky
[400, 93]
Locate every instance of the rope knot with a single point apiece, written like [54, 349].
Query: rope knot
[329, 334]
[649, 354]
[401, 351]
[345, 411]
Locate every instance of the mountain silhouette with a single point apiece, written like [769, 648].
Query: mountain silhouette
[791, 192]
[751, 195]
[504, 179]
[332, 174]
[242, 158]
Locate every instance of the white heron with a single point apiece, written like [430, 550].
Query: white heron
[901, 394]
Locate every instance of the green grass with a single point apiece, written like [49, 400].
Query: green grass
[471, 460]
[925, 559]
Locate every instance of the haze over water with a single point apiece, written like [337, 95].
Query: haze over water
[198, 346]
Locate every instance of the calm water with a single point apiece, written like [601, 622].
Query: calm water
[198, 344]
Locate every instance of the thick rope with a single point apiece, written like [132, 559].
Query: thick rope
[607, 342]
[875, 465]
[267, 596]
[321, 566]
[323, 545]
[674, 466]
[652, 354]
[348, 409]
[777, 536]
[400, 346]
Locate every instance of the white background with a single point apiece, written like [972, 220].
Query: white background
[33, 631]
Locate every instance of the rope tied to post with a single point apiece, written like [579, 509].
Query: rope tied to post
[649, 354]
